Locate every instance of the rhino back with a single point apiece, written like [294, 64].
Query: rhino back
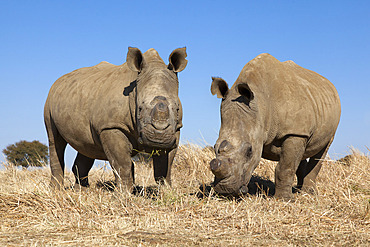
[293, 100]
[87, 100]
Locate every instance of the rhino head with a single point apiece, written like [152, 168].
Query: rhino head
[157, 105]
[239, 145]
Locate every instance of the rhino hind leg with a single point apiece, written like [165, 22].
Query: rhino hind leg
[81, 167]
[308, 171]
[57, 146]
[301, 173]
[291, 155]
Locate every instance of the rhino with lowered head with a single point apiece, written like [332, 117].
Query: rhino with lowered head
[278, 111]
[111, 112]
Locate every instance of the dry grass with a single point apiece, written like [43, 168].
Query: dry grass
[32, 215]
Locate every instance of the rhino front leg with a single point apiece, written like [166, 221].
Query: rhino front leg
[80, 169]
[118, 149]
[162, 166]
[290, 157]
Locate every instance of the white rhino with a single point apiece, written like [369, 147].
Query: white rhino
[111, 112]
[278, 111]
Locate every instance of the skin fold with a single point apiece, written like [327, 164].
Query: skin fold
[111, 112]
[278, 111]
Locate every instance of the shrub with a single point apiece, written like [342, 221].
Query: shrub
[25, 154]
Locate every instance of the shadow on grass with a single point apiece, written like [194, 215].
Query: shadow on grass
[148, 192]
[256, 186]
[106, 185]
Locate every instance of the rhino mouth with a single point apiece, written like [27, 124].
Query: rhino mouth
[229, 186]
[152, 137]
[231, 183]
[161, 125]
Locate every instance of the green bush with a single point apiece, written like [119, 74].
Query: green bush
[25, 154]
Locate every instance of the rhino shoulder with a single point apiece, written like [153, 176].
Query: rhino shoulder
[265, 57]
[258, 68]
[262, 62]
[84, 72]
[103, 65]
[291, 63]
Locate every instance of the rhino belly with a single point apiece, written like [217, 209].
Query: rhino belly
[77, 132]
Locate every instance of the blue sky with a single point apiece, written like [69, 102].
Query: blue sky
[43, 40]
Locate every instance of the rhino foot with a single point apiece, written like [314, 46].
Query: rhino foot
[312, 190]
[285, 195]
[79, 188]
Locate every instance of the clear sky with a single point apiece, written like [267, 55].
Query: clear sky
[43, 40]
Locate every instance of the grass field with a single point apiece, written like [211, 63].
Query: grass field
[181, 215]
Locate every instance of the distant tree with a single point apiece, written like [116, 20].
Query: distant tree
[25, 154]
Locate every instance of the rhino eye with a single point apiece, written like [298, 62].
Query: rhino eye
[248, 153]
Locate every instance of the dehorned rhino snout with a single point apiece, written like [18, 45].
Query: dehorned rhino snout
[218, 168]
[160, 115]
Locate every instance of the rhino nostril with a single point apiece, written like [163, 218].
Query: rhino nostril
[215, 164]
[218, 168]
[224, 146]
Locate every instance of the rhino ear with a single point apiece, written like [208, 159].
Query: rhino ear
[219, 87]
[135, 59]
[177, 61]
[245, 91]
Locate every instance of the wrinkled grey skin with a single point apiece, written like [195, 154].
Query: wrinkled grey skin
[111, 112]
[278, 111]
